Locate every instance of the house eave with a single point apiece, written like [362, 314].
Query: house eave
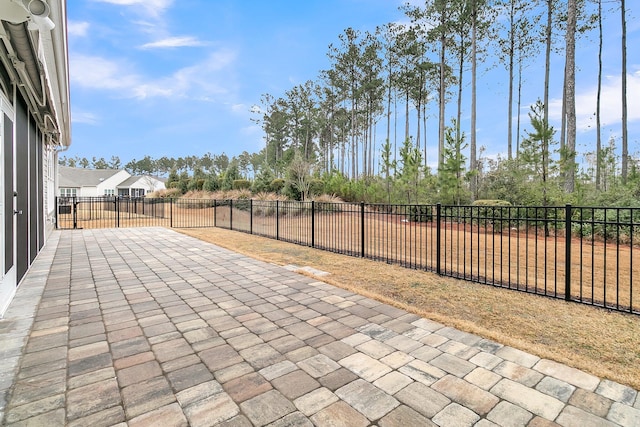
[36, 57]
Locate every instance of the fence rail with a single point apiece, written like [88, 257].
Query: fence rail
[582, 254]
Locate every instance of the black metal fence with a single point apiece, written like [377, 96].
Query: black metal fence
[582, 254]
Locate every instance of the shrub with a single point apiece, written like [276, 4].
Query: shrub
[265, 203]
[268, 197]
[211, 184]
[165, 194]
[328, 203]
[491, 213]
[316, 187]
[291, 191]
[491, 203]
[241, 184]
[197, 194]
[196, 199]
[277, 185]
[421, 213]
[195, 184]
[262, 181]
[240, 194]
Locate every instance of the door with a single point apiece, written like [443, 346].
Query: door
[8, 222]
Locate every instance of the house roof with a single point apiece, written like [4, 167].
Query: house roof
[129, 182]
[80, 177]
[135, 179]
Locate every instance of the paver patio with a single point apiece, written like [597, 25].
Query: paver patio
[147, 327]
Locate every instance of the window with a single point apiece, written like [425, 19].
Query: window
[123, 192]
[109, 192]
[137, 192]
[68, 192]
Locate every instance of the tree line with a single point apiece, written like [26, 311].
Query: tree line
[383, 86]
[208, 163]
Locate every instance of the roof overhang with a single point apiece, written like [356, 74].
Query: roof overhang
[34, 49]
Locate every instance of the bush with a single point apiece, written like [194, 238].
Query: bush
[277, 185]
[211, 184]
[421, 213]
[241, 194]
[491, 203]
[265, 203]
[316, 187]
[198, 195]
[241, 184]
[328, 203]
[165, 194]
[291, 191]
[492, 213]
[195, 184]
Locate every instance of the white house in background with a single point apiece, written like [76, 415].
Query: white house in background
[139, 186]
[81, 182]
[35, 123]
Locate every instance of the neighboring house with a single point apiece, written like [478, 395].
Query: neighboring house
[34, 127]
[139, 186]
[80, 182]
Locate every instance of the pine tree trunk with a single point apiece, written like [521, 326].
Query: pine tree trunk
[511, 54]
[474, 65]
[625, 146]
[547, 66]
[442, 93]
[570, 98]
[598, 101]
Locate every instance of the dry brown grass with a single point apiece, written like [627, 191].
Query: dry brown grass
[606, 344]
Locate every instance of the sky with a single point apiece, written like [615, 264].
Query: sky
[179, 77]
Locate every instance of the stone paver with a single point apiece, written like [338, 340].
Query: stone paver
[146, 327]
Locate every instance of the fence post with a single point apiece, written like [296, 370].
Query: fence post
[567, 255]
[313, 223]
[277, 219]
[362, 251]
[117, 202]
[230, 214]
[438, 236]
[250, 216]
[74, 214]
[215, 214]
[57, 214]
[171, 212]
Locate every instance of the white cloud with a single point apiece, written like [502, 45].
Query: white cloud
[99, 73]
[200, 81]
[78, 29]
[171, 42]
[84, 117]
[239, 108]
[153, 8]
[205, 81]
[252, 130]
[610, 103]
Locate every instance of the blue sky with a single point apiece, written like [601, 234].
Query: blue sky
[178, 77]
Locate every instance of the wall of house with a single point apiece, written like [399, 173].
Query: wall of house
[149, 184]
[26, 211]
[50, 160]
[88, 191]
[29, 185]
[112, 183]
